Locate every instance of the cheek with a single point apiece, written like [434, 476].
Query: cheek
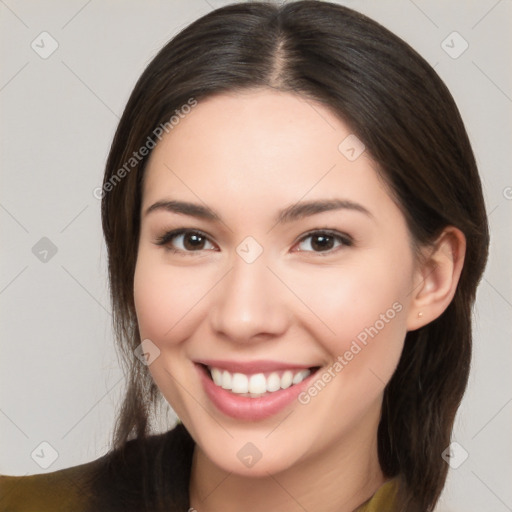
[360, 308]
[363, 312]
[167, 300]
[153, 301]
[353, 298]
[164, 303]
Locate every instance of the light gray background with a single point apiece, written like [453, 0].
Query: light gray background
[60, 379]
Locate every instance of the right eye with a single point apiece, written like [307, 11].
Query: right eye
[183, 241]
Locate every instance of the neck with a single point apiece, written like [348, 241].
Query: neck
[339, 479]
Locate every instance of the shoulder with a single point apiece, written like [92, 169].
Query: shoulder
[123, 479]
[66, 489]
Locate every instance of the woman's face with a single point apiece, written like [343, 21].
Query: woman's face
[266, 287]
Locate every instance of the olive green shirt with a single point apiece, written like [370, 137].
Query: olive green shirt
[115, 482]
[60, 491]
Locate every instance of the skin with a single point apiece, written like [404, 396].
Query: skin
[247, 156]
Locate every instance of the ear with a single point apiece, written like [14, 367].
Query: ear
[436, 278]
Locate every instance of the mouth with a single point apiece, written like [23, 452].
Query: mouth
[256, 384]
[253, 390]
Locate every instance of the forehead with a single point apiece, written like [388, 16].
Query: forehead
[250, 148]
[254, 128]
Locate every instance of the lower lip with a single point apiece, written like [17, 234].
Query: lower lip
[246, 408]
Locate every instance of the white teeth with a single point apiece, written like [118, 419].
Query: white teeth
[299, 377]
[240, 383]
[286, 379]
[226, 380]
[273, 382]
[217, 376]
[257, 384]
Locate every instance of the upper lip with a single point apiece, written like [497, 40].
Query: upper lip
[252, 367]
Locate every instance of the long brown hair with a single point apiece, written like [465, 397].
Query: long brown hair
[398, 106]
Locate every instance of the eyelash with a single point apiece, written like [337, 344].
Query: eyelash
[167, 237]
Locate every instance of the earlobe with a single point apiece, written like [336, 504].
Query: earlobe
[436, 278]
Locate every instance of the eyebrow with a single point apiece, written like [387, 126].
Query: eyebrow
[289, 214]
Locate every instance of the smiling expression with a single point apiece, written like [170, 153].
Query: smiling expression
[265, 250]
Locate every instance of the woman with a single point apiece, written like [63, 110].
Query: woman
[295, 229]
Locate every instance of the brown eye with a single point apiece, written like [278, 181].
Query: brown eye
[192, 241]
[184, 241]
[323, 241]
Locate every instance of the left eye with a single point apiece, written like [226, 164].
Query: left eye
[323, 241]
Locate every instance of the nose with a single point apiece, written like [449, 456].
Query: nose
[249, 303]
